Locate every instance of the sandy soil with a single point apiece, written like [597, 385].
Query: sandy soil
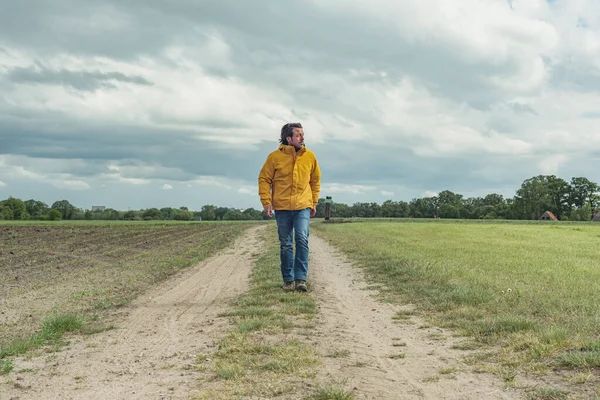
[152, 352]
[360, 336]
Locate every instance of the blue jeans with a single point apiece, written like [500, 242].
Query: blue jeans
[289, 222]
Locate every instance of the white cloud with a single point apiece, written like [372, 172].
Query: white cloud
[121, 179]
[2, 184]
[212, 181]
[166, 186]
[346, 188]
[488, 32]
[22, 168]
[386, 193]
[551, 165]
[72, 184]
[429, 193]
[247, 189]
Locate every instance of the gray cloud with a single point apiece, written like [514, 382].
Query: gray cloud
[87, 81]
[268, 44]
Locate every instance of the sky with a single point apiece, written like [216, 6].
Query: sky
[146, 103]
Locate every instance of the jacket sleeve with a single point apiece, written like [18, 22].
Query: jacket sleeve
[315, 183]
[265, 180]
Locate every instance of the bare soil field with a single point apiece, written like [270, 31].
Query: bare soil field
[152, 352]
[92, 269]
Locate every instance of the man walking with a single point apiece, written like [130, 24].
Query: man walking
[289, 183]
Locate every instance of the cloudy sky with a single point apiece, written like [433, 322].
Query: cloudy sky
[148, 103]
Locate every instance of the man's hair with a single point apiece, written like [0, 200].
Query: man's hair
[288, 131]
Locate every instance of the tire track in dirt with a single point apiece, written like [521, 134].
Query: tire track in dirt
[362, 332]
[152, 355]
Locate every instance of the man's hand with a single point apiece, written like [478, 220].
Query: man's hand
[313, 211]
[269, 210]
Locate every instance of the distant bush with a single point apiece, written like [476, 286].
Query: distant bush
[54, 215]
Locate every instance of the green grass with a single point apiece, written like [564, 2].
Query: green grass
[531, 288]
[339, 353]
[547, 394]
[52, 330]
[6, 366]
[262, 344]
[332, 392]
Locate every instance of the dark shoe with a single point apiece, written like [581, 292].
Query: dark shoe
[288, 286]
[301, 286]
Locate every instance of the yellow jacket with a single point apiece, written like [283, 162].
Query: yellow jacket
[290, 179]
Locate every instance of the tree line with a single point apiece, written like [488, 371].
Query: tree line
[576, 200]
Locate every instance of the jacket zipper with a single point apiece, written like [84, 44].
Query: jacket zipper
[292, 205]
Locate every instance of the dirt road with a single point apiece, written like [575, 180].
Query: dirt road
[152, 353]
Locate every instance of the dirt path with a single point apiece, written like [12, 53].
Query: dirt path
[360, 335]
[152, 352]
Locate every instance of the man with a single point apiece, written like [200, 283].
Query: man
[289, 184]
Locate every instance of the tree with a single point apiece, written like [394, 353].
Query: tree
[423, 208]
[151, 213]
[168, 213]
[207, 213]
[15, 208]
[450, 198]
[340, 210]
[66, 209]
[111, 214]
[581, 214]
[394, 209]
[36, 209]
[220, 212]
[233, 215]
[184, 215]
[252, 214]
[6, 213]
[493, 199]
[542, 193]
[559, 193]
[54, 215]
[320, 208]
[583, 191]
[448, 211]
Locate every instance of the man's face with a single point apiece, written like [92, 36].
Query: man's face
[297, 139]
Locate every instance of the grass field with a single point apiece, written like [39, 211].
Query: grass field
[54, 277]
[530, 288]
